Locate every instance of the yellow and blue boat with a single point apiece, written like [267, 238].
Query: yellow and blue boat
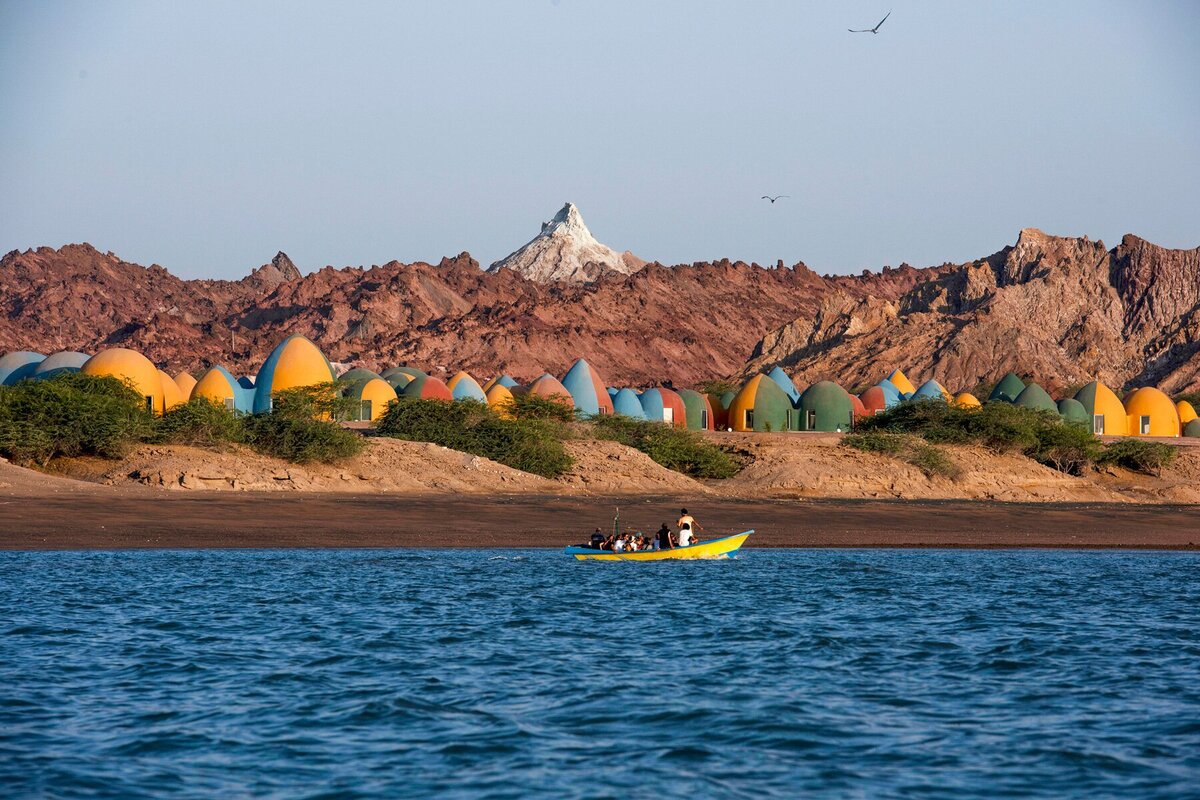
[717, 548]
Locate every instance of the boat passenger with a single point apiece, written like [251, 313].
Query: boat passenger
[597, 539]
[619, 545]
[663, 540]
[687, 519]
[685, 535]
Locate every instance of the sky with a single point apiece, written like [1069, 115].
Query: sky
[205, 136]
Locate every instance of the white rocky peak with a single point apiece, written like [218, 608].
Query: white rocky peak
[565, 250]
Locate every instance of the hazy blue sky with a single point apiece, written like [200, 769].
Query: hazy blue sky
[206, 136]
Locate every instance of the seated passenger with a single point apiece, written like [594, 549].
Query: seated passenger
[663, 539]
[597, 539]
[619, 545]
[685, 535]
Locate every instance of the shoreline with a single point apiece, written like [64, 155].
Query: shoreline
[149, 519]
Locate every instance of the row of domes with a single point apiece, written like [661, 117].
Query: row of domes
[769, 402]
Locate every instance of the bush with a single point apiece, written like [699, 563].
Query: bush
[908, 448]
[532, 406]
[717, 387]
[202, 423]
[71, 415]
[321, 401]
[674, 448]
[1003, 427]
[299, 439]
[1139, 456]
[531, 445]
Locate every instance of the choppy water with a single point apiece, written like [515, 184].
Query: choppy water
[402, 674]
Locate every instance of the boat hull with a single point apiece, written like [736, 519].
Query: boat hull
[717, 548]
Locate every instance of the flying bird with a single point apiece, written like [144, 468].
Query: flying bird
[776, 197]
[875, 29]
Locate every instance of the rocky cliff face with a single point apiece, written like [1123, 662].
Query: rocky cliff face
[565, 250]
[1060, 310]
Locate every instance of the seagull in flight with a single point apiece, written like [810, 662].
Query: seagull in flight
[776, 197]
[875, 29]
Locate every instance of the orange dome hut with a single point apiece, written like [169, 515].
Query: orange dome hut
[500, 400]
[294, 363]
[172, 394]
[186, 383]
[1187, 412]
[132, 368]
[1151, 413]
[549, 387]
[374, 395]
[1105, 409]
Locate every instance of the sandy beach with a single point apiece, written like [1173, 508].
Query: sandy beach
[106, 518]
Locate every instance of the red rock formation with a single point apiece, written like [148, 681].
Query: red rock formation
[1057, 310]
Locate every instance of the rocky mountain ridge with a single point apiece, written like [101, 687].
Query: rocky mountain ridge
[1059, 310]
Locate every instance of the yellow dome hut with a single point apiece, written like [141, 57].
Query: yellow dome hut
[133, 368]
[1151, 413]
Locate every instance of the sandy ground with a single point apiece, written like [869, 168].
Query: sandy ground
[796, 491]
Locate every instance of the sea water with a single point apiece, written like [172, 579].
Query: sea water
[399, 673]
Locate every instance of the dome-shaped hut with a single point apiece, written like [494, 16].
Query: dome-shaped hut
[1007, 390]
[1073, 412]
[825, 406]
[218, 386]
[902, 384]
[296, 362]
[664, 405]
[1104, 408]
[1187, 412]
[930, 390]
[500, 400]
[786, 383]
[463, 387]
[550, 387]
[18, 365]
[59, 363]
[1036, 398]
[133, 368]
[1151, 413]
[426, 387]
[699, 410]
[587, 389]
[760, 406]
[374, 397]
[627, 404]
[967, 400]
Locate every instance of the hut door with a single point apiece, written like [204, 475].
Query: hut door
[365, 411]
[1145, 425]
[669, 415]
[704, 420]
[749, 419]
[1098, 424]
[229, 404]
[150, 403]
[811, 421]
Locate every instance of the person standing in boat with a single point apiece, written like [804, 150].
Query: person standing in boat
[687, 523]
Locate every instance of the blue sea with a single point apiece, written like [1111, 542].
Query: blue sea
[399, 673]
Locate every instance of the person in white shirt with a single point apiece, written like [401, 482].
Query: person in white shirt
[685, 535]
[619, 545]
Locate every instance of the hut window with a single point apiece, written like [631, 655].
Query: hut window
[229, 404]
[704, 420]
[1098, 424]
[150, 403]
[1145, 425]
[749, 419]
[668, 415]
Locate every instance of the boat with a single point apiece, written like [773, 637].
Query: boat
[716, 548]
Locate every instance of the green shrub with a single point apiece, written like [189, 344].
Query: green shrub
[532, 406]
[908, 448]
[717, 387]
[1139, 456]
[319, 401]
[674, 448]
[202, 423]
[531, 445]
[301, 439]
[1002, 427]
[71, 415]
